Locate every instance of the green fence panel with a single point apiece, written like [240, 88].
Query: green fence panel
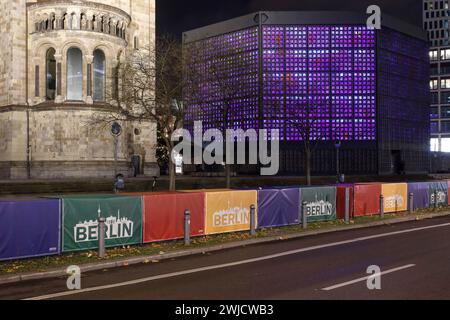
[321, 203]
[80, 221]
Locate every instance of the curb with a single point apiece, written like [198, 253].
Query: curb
[189, 252]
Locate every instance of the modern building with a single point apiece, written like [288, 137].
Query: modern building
[436, 16]
[57, 63]
[367, 89]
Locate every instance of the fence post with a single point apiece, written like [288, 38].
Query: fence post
[304, 215]
[411, 202]
[101, 237]
[347, 205]
[187, 227]
[252, 220]
[381, 206]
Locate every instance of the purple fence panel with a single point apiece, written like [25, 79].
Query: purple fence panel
[420, 191]
[29, 228]
[278, 207]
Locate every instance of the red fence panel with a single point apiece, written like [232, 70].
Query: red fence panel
[367, 199]
[340, 201]
[448, 192]
[164, 215]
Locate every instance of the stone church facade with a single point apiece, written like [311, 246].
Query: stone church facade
[58, 59]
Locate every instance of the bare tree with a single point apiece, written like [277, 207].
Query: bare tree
[148, 90]
[219, 79]
[305, 119]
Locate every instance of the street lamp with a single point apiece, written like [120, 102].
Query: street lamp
[338, 145]
[116, 131]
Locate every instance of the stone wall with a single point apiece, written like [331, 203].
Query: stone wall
[65, 143]
[12, 54]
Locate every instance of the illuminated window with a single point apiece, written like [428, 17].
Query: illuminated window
[50, 74]
[445, 83]
[74, 74]
[99, 75]
[434, 145]
[434, 84]
[433, 55]
[445, 54]
[445, 145]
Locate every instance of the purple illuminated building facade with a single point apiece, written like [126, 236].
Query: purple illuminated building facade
[366, 88]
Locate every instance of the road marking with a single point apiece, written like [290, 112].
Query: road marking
[340, 285]
[232, 264]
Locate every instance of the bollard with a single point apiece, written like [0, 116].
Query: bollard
[304, 215]
[381, 206]
[101, 237]
[347, 205]
[411, 202]
[187, 227]
[252, 220]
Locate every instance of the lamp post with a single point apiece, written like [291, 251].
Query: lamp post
[116, 130]
[338, 145]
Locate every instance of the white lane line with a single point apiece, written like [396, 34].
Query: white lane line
[232, 264]
[340, 285]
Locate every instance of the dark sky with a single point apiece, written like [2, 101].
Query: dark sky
[176, 16]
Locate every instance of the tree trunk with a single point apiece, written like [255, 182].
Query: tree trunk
[308, 166]
[172, 175]
[228, 175]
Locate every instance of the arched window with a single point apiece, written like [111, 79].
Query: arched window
[74, 74]
[99, 75]
[50, 72]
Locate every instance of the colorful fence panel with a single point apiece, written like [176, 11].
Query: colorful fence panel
[29, 228]
[80, 221]
[448, 188]
[164, 215]
[366, 199]
[340, 201]
[278, 207]
[441, 189]
[321, 203]
[229, 211]
[421, 194]
[395, 197]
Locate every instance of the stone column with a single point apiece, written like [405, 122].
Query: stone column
[83, 22]
[58, 21]
[58, 97]
[89, 59]
[106, 25]
[98, 22]
[90, 22]
[113, 26]
[39, 80]
[114, 81]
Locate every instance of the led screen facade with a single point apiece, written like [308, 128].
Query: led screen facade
[284, 70]
[326, 73]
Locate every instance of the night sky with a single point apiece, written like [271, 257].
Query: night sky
[176, 16]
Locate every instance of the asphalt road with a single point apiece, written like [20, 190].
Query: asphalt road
[414, 259]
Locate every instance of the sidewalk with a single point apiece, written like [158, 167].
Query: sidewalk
[15, 188]
[59, 272]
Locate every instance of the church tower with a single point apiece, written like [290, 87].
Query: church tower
[58, 61]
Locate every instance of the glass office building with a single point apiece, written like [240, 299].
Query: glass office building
[366, 88]
[436, 15]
